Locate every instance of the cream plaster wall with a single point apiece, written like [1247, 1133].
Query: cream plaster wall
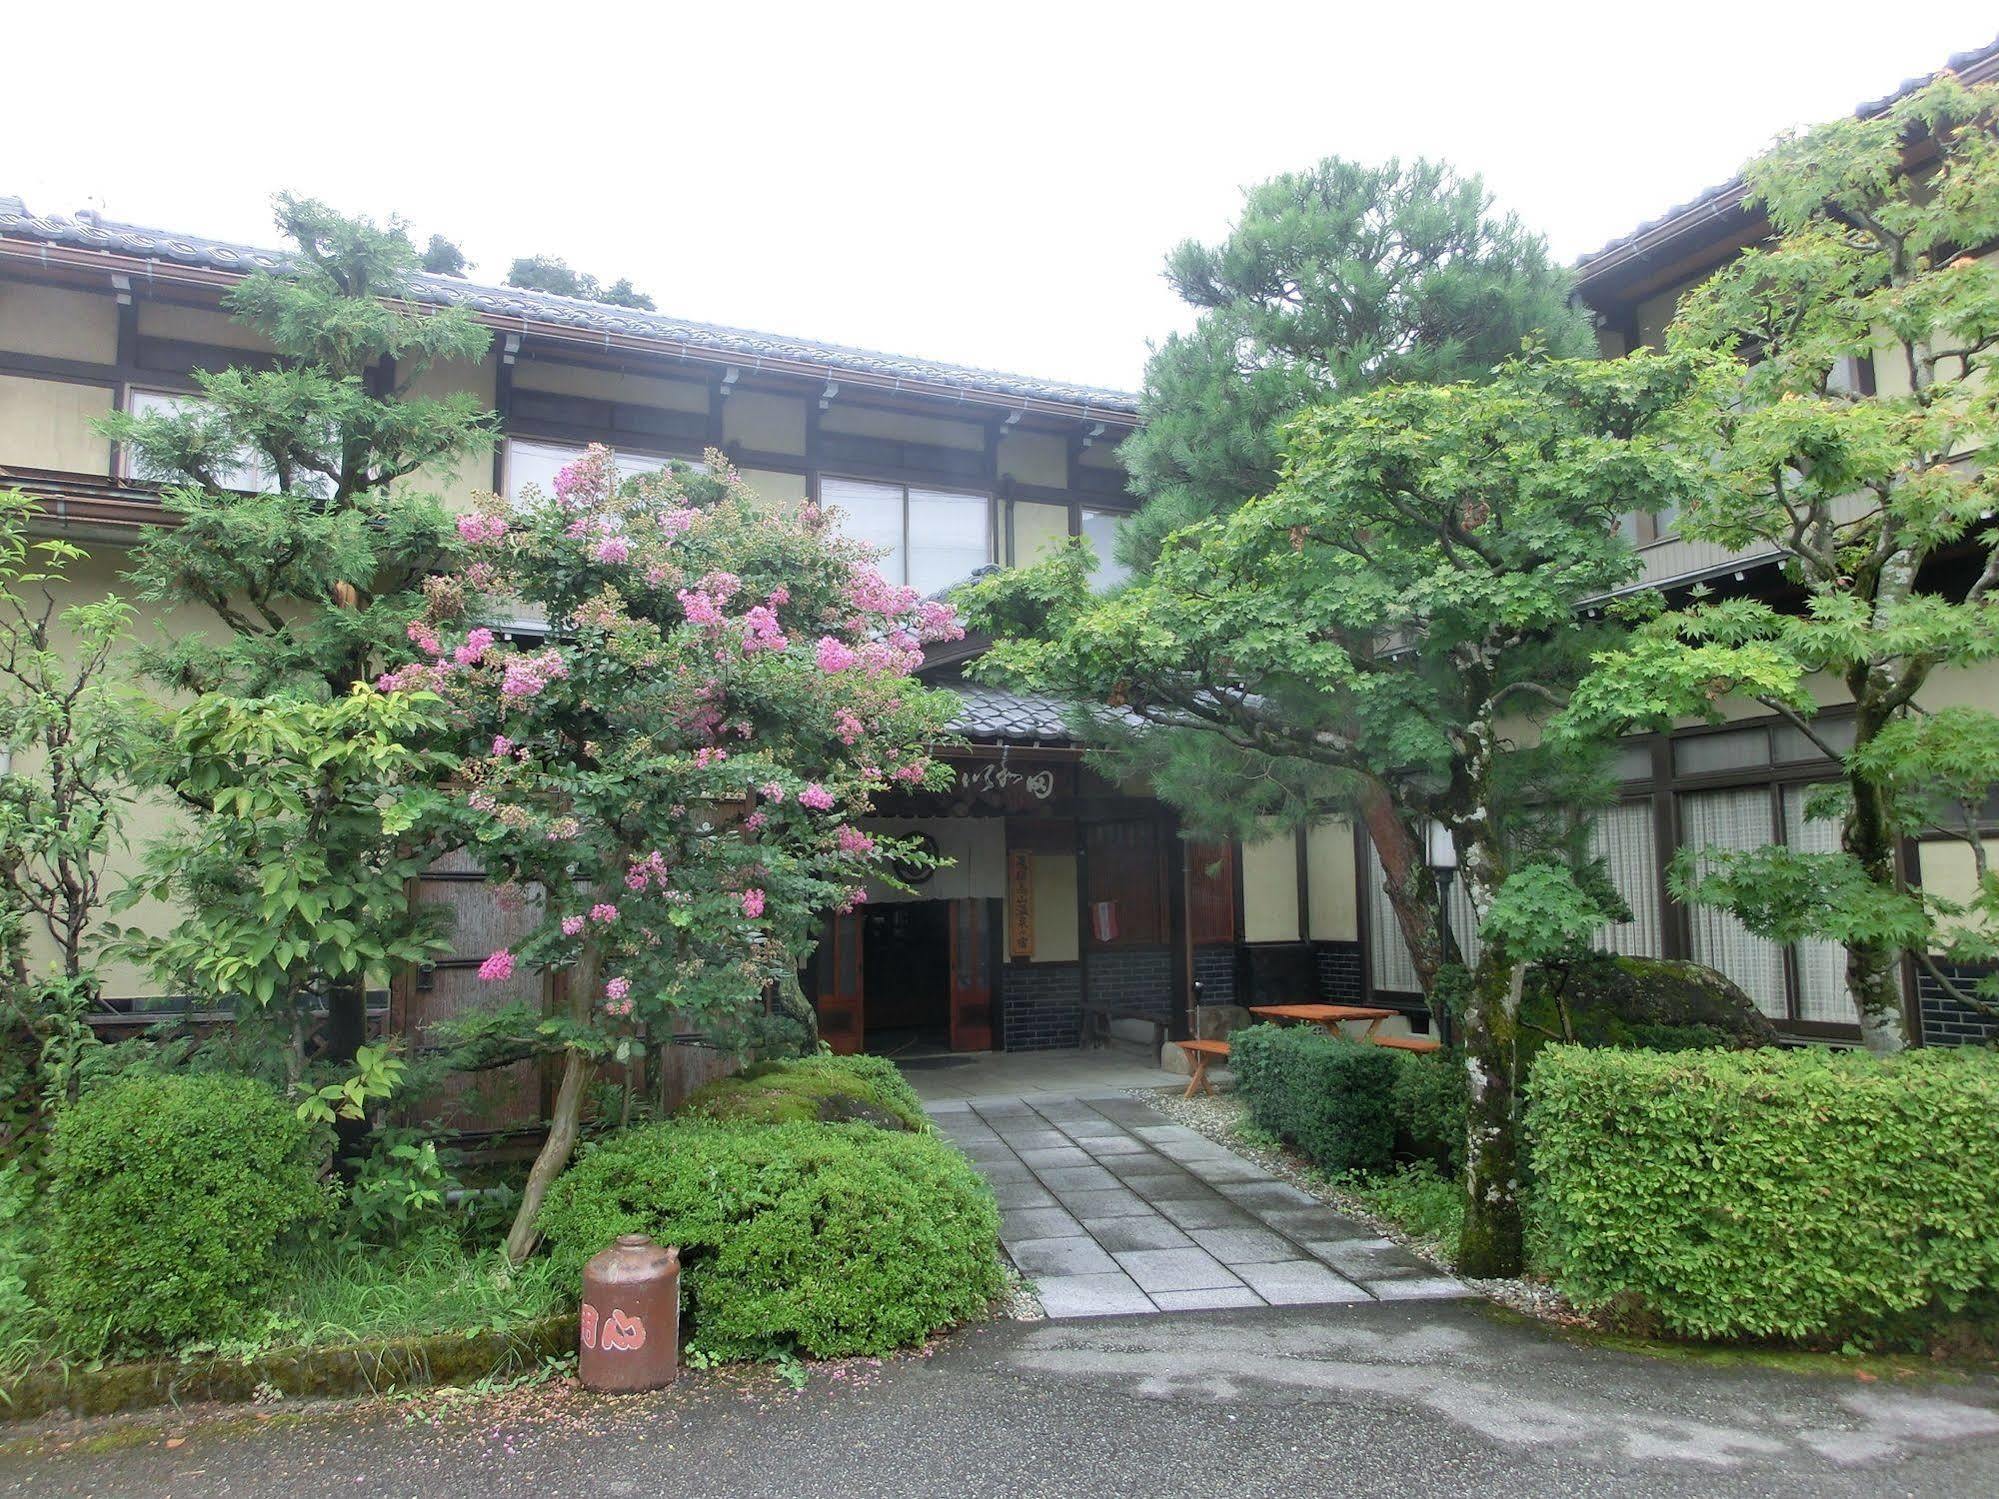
[1037, 529]
[1329, 872]
[1270, 890]
[764, 423]
[57, 323]
[46, 424]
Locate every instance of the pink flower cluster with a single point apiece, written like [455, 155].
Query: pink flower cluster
[676, 521]
[771, 792]
[527, 675]
[817, 797]
[761, 632]
[938, 621]
[644, 872]
[871, 593]
[481, 530]
[753, 903]
[473, 651]
[612, 549]
[572, 926]
[498, 967]
[699, 607]
[834, 655]
[585, 479]
[846, 727]
[618, 997]
[854, 842]
[603, 913]
[708, 755]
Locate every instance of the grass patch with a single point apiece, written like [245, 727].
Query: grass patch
[1416, 1200]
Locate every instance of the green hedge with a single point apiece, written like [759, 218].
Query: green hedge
[1799, 1195]
[808, 1090]
[172, 1197]
[1429, 1101]
[1331, 1097]
[831, 1239]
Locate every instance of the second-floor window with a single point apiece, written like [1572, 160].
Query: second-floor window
[1101, 526]
[538, 463]
[247, 470]
[930, 538]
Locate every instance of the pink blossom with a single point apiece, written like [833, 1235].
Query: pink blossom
[502, 746]
[754, 822]
[847, 727]
[497, 968]
[708, 755]
[724, 586]
[676, 522]
[603, 913]
[527, 675]
[481, 530]
[871, 593]
[833, 656]
[572, 926]
[699, 607]
[761, 632]
[817, 797]
[424, 638]
[779, 597]
[611, 549]
[618, 988]
[771, 792]
[753, 903]
[936, 620]
[585, 479]
[912, 772]
[853, 841]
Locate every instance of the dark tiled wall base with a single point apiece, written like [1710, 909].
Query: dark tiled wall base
[1214, 971]
[1041, 1006]
[1131, 978]
[1339, 972]
[1945, 1021]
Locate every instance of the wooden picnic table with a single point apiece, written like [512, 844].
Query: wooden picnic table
[1330, 1016]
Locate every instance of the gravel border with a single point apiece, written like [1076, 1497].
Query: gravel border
[1220, 1117]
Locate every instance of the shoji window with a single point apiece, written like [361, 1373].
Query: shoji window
[1389, 954]
[1622, 837]
[1101, 526]
[1820, 965]
[1735, 819]
[538, 463]
[929, 538]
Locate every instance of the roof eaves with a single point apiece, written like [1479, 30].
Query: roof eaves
[536, 310]
[1723, 203]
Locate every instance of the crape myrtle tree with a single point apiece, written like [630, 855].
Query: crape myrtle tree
[670, 776]
[1334, 281]
[301, 525]
[1880, 507]
[1411, 587]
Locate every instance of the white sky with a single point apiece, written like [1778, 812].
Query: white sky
[987, 184]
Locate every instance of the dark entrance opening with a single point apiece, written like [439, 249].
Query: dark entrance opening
[906, 954]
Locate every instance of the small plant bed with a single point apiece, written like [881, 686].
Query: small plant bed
[1405, 1206]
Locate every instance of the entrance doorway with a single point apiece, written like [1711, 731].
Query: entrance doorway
[906, 954]
[908, 976]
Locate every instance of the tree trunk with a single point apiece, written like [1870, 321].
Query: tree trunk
[346, 1031]
[1873, 972]
[579, 987]
[555, 1151]
[1491, 1243]
[787, 998]
[1411, 886]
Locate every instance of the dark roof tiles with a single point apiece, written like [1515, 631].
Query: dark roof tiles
[91, 232]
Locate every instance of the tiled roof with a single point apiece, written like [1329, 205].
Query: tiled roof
[1015, 717]
[93, 233]
[1724, 200]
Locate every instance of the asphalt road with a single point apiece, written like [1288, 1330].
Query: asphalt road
[1411, 1399]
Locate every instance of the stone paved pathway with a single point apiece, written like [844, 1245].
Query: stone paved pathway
[1110, 1209]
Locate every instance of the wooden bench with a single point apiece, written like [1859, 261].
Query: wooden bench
[1409, 1043]
[1200, 1053]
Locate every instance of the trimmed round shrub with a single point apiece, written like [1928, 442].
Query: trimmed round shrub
[823, 1238]
[812, 1090]
[1803, 1195]
[172, 1198]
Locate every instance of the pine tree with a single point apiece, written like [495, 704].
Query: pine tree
[1335, 281]
[290, 481]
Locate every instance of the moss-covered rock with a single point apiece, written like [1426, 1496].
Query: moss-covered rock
[812, 1090]
[1661, 1003]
